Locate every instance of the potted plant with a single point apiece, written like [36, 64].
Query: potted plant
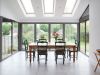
[55, 35]
[42, 36]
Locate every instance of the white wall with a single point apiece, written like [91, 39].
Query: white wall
[53, 19]
[94, 28]
[0, 7]
[5, 11]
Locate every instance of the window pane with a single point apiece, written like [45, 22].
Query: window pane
[82, 37]
[15, 37]
[26, 5]
[87, 37]
[56, 31]
[42, 31]
[48, 6]
[28, 32]
[70, 33]
[6, 39]
[70, 5]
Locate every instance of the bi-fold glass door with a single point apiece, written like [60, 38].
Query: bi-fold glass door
[84, 37]
[9, 38]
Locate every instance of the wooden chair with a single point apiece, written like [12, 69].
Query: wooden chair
[43, 40]
[59, 40]
[97, 55]
[42, 49]
[27, 50]
[59, 50]
[70, 51]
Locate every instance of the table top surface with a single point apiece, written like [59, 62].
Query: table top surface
[49, 43]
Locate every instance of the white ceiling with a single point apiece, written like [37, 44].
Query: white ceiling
[14, 8]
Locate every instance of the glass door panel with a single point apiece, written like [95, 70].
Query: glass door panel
[82, 37]
[6, 39]
[56, 32]
[15, 37]
[28, 32]
[87, 37]
[70, 33]
[42, 31]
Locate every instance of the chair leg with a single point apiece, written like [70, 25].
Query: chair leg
[46, 59]
[96, 66]
[69, 55]
[38, 58]
[63, 58]
[33, 55]
[56, 59]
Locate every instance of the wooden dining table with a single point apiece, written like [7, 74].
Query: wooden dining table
[50, 46]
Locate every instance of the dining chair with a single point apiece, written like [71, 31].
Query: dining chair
[59, 40]
[70, 51]
[42, 50]
[27, 49]
[43, 40]
[59, 50]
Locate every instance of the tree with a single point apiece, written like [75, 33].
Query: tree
[44, 27]
[27, 28]
[56, 27]
[6, 29]
[15, 24]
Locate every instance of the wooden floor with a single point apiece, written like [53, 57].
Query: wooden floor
[18, 65]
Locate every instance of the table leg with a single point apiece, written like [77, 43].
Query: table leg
[73, 54]
[98, 64]
[30, 54]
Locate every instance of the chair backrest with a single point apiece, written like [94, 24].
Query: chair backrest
[59, 40]
[60, 45]
[26, 44]
[43, 40]
[77, 44]
[42, 45]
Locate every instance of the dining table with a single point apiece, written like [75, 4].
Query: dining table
[51, 45]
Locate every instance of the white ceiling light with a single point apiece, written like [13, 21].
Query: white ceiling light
[48, 7]
[27, 8]
[70, 5]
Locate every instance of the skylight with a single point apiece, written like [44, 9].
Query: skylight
[49, 15]
[48, 6]
[70, 5]
[26, 6]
